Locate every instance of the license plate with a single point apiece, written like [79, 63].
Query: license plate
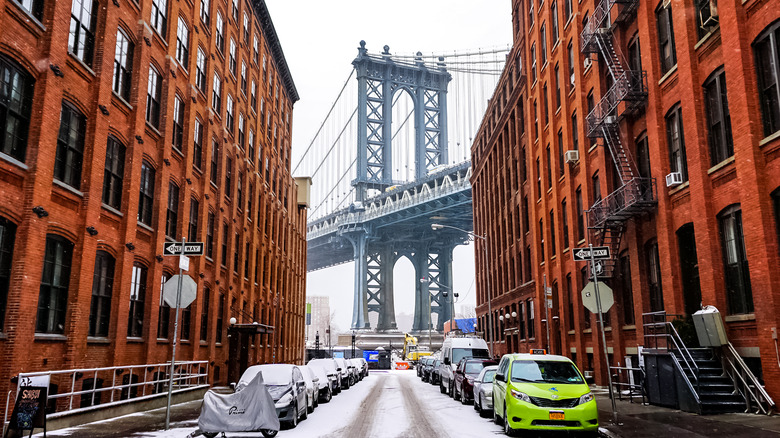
[557, 415]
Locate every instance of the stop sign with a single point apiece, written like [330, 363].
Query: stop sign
[189, 290]
[589, 297]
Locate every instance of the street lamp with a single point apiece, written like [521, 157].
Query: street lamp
[437, 227]
[430, 322]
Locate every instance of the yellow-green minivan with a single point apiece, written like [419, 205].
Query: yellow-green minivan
[542, 392]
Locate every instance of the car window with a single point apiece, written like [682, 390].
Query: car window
[474, 367]
[460, 353]
[545, 372]
[489, 375]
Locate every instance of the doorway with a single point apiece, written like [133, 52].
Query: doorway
[689, 268]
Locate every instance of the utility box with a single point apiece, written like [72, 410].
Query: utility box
[304, 191]
[709, 327]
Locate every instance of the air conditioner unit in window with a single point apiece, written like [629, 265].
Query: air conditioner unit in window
[572, 157]
[674, 179]
[610, 120]
[708, 14]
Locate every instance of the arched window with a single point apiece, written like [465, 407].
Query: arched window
[135, 322]
[737, 273]
[766, 50]
[15, 107]
[718, 118]
[655, 290]
[172, 213]
[70, 146]
[146, 201]
[102, 289]
[123, 64]
[113, 175]
[53, 296]
[678, 161]
[7, 238]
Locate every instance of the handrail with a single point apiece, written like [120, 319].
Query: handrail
[680, 346]
[739, 372]
[634, 191]
[600, 12]
[687, 382]
[670, 332]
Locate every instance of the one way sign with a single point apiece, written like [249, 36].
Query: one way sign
[583, 254]
[190, 249]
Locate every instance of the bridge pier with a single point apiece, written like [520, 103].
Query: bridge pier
[359, 242]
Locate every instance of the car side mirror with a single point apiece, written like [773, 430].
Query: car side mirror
[500, 378]
[446, 361]
[233, 385]
[301, 384]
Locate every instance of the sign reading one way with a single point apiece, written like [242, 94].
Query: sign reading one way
[589, 297]
[190, 248]
[583, 254]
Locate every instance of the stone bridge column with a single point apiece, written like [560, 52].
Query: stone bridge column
[385, 294]
[359, 242]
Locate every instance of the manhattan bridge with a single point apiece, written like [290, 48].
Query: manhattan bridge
[390, 159]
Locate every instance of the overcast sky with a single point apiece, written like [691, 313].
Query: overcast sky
[320, 40]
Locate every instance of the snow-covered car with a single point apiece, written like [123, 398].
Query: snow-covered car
[287, 386]
[357, 369]
[483, 390]
[363, 366]
[312, 387]
[324, 383]
[344, 373]
[331, 368]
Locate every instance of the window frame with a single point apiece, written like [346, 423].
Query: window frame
[678, 160]
[81, 41]
[102, 292]
[71, 140]
[146, 194]
[718, 117]
[51, 318]
[739, 293]
[16, 115]
[159, 18]
[172, 211]
[183, 43]
[113, 173]
[768, 42]
[135, 322]
[154, 97]
[665, 27]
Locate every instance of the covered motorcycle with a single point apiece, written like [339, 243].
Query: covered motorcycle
[249, 409]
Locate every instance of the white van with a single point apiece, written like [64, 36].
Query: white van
[452, 351]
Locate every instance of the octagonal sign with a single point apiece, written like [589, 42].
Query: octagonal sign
[189, 290]
[589, 297]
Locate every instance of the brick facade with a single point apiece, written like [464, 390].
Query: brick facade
[269, 224]
[516, 124]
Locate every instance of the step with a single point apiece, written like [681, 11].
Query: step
[722, 407]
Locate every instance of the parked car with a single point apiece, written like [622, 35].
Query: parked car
[434, 377]
[452, 351]
[421, 367]
[483, 390]
[324, 383]
[344, 373]
[363, 367]
[287, 386]
[465, 374]
[312, 387]
[356, 368]
[428, 369]
[331, 368]
[542, 392]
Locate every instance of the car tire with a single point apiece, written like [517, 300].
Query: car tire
[476, 405]
[496, 417]
[309, 410]
[441, 387]
[294, 421]
[210, 434]
[269, 433]
[508, 431]
[305, 414]
[328, 395]
[463, 399]
[451, 391]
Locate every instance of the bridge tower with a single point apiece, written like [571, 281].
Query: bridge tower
[379, 78]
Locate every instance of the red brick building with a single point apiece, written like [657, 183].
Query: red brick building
[126, 125]
[679, 101]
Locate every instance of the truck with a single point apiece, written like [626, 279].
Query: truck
[413, 352]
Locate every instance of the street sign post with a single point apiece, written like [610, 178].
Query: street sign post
[190, 248]
[591, 252]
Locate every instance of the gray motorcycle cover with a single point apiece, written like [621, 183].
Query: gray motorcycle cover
[249, 409]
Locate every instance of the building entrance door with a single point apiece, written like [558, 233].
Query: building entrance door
[689, 268]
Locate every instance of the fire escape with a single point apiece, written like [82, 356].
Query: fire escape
[626, 97]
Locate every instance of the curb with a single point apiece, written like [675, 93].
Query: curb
[606, 433]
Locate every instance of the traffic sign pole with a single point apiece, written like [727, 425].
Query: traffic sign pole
[175, 336]
[603, 334]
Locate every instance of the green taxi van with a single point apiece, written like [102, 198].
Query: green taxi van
[542, 392]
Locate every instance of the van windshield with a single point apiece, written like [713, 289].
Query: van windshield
[460, 353]
[543, 371]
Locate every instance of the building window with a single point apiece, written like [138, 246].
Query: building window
[554, 13]
[596, 188]
[567, 10]
[235, 11]
[159, 16]
[241, 136]
[542, 258]
[192, 228]
[663, 16]
[172, 213]
[229, 113]
[153, 92]
[549, 167]
[197, 144]
[654, 277]
[706, 22]
[557, 87]
[34, 7]
[553, 250]
[204, 11]
[228, 177]
[634, 55]
[536, 122]
[232, 60]
[236, 246]
[249, 197]
[626, 289]
[561, 166]
[529, 307]
[526, 215]
[220, 33]
[113, 175]
[538, 180]
[102, 289]
[580, 215]
[220, 318]
[164, 313]
[216, 94]
[214, 161]
[565, 223]
[204, 314]
[70, 146]
[678, 161]
[210, 236]
[186, 317]
[546, 105]
[643, 156]
[256, 50]
[766, 50]
[135, 323]
[224, 244]
[251, 142]
[53, 297]
[246, 261]
[718, 118]
[201, 66]
[738, 290]
[253, 95]
[533, 62]
[530, 14]
[543, 44]
[240, 191]
[570, 49]
[575, 137]
[7, 238]
[81, 38]
[246, 28]
[146, 201]
[178, 123]
[183, 44]
[123, 65]
[15, 108]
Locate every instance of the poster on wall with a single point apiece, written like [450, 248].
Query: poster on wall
[29, 411]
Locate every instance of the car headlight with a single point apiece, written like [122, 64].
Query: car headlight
[521, 396]
[586, 398]
[470, 379]
[285, 400]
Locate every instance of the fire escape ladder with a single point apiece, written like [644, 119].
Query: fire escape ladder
[624, 164]
[610, 53]
[611, 235]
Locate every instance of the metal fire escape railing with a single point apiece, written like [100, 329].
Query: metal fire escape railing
[626, 97]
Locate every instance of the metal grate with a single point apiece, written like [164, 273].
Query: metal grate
[548, 403]
[555, 423]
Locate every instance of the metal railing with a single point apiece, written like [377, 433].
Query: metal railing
[630, 85]
[628, 381]
[751, 389]
[661, 334]
[637, 192]
[84, 389]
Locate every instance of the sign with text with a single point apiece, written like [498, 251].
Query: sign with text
[190, 249]
[584, 254]
[30, 409]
